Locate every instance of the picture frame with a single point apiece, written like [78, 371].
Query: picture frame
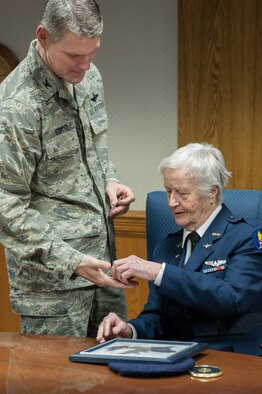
[138, 350]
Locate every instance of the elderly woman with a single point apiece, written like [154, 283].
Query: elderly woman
[206, 279]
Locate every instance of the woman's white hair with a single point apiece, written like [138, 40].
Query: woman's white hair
[203, 164]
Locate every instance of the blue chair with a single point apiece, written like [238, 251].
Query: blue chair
[160, 221]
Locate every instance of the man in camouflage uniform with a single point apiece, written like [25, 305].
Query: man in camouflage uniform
[58, 190]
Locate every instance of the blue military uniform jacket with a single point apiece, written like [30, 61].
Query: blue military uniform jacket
[217, 295]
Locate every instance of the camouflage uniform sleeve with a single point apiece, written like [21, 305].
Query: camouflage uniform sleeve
[24, 230]
[110, 172]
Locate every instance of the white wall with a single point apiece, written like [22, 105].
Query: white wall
[138, 61]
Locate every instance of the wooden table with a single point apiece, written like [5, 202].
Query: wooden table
[39, 364]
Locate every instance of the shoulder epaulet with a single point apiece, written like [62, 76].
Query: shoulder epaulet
[237, 219]
[234, 219]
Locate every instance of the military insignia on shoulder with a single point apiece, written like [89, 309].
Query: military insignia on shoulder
[258, 239]
[47, 84]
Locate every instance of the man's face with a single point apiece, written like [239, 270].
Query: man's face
[189, 207]
[69, 57]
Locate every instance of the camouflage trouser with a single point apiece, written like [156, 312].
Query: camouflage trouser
[77, 313]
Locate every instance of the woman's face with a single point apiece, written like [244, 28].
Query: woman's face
[189, 208]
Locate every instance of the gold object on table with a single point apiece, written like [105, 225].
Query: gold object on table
[205, 371]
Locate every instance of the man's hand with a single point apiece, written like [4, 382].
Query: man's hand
[120, 197]
[124, 270]
[113, 327]
[92, 270]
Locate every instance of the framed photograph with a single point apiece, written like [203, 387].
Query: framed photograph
[138, 350]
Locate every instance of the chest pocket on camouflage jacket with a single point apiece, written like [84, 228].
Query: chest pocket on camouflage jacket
[65, 170]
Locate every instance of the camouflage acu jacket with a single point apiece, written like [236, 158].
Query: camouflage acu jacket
[54, 169]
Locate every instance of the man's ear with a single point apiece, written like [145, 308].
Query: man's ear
[42, 36]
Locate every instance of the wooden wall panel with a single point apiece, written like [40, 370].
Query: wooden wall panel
[130, 239]
[130, 232]
[220, 82]
[9, 322]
